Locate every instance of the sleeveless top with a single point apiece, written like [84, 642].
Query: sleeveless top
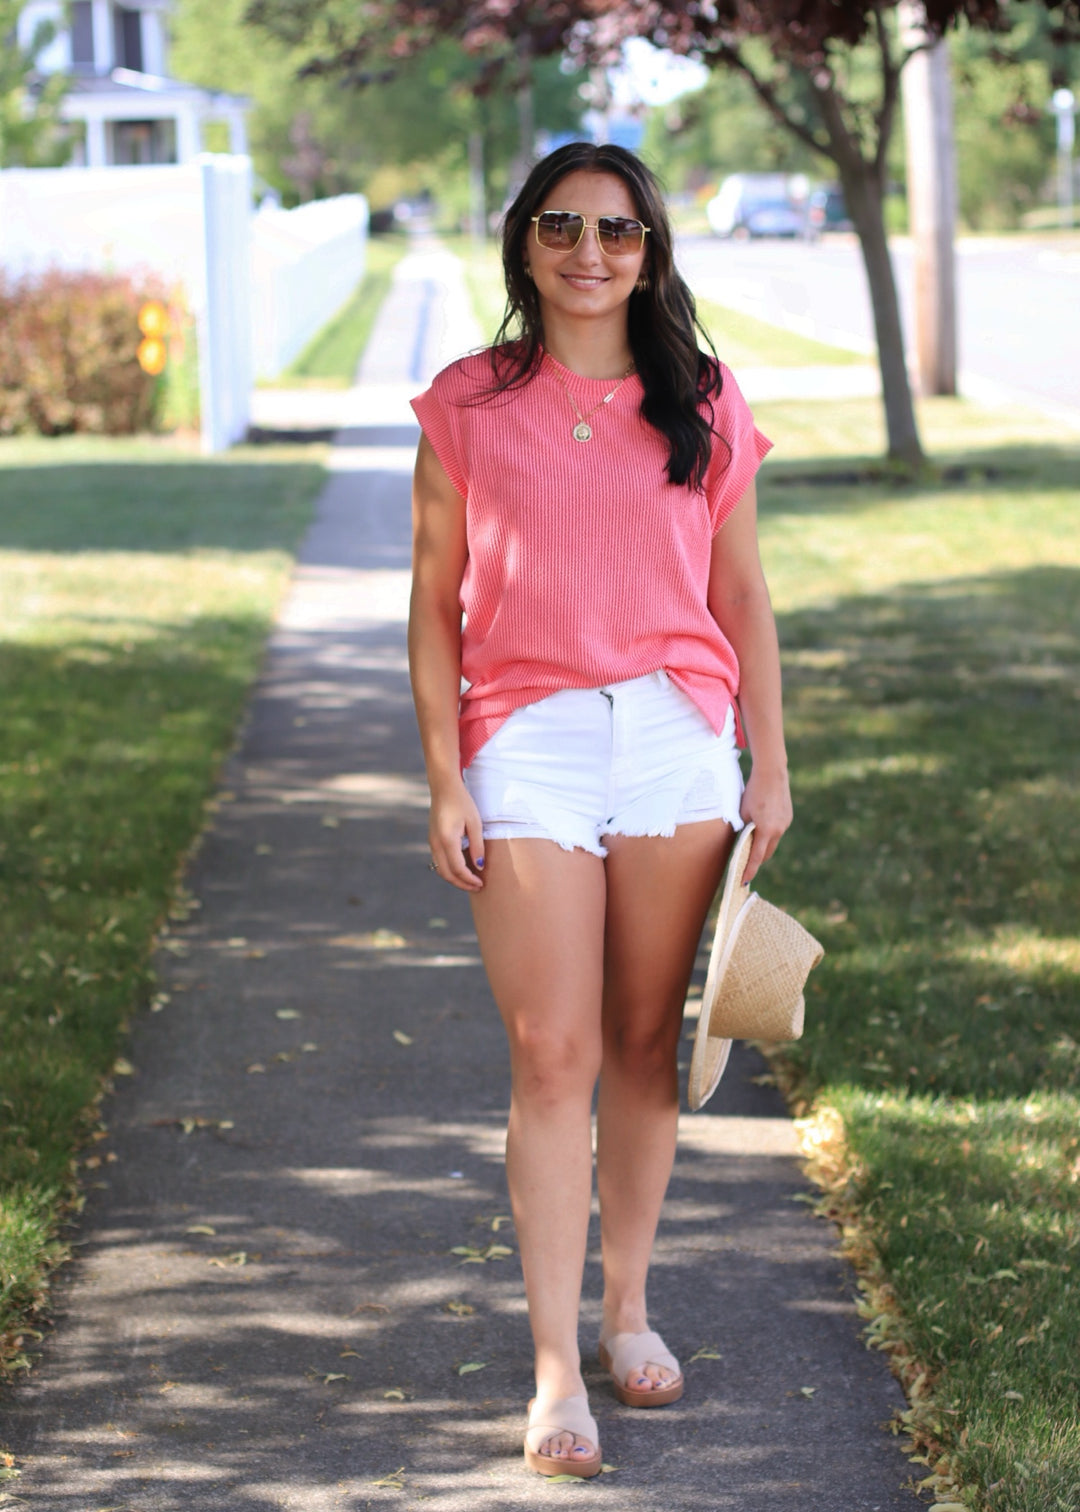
[585, 565]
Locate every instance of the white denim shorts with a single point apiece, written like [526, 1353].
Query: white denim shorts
[633, 758]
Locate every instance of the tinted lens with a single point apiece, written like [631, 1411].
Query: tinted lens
[619, 234]
[559, 229]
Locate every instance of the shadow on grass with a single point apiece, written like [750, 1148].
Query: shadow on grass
[830, 484]
[935, 745]
[168, 505]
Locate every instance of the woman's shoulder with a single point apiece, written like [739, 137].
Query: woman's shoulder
[476, 374]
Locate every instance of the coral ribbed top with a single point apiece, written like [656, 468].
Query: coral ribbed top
[585, 565]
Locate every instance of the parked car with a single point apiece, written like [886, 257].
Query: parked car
[757, 204]
[827, 210]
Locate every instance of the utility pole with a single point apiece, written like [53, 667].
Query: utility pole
[1063, 105]
[931, 181]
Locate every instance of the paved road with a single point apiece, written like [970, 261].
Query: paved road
[266, 1311]
[1019, 303]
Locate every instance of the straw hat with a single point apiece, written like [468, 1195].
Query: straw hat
[758, 967]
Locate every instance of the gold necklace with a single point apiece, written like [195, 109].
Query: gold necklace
[582, 431]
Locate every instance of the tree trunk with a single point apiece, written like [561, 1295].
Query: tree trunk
[866, 207]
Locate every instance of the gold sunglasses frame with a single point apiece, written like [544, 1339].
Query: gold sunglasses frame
[587, 225]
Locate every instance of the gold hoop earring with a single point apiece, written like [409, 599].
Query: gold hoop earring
[642, 284]
[528, 272]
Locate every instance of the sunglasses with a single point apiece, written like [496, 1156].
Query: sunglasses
[616, 235]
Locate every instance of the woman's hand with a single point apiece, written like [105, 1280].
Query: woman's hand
[455, 819]
[767, 803]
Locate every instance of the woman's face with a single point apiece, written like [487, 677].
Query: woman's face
[585, 282]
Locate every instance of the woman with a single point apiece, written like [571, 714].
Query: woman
[570, 488]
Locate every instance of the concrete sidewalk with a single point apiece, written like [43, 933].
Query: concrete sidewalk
[271, 1307]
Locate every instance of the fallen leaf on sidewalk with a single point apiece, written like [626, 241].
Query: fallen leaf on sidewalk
[403, 1038]
[470, 1366]
[255, 1068]
[123, 1067]
[498, 1221]
[308, 1048]
[462, 1309]
[348, 1354]
[395, 1480]
[377, 939]
[288, 1013]
[200, 1228]
[333, 1375]
[329, 822]
[705, 1354]
[475, 1256]
[395, 1394]
[807, 1391]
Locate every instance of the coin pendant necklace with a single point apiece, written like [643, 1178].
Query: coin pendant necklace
[582, 431]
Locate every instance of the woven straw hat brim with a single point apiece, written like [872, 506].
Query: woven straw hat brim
[710, 1054]
[760, 960]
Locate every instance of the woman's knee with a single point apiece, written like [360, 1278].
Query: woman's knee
[644, 1050]
[551, 1064]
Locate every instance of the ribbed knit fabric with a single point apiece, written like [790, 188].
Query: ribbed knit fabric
[586, 566]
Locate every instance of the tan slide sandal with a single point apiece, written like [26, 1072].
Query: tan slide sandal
[626, 1354]
[562, 1415]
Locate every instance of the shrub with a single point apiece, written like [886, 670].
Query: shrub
[68, 343]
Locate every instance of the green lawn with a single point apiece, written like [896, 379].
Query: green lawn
[333, 354]
[932, 661]
[138, 586]
[743, 341]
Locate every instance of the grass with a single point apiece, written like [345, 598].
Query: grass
[744, 341]
[741, 340]
[138, 586]
[332, 356]
[932, 661]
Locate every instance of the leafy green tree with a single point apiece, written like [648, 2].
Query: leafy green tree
[401, 129]
[32, 134]
[1005, 137]
[719, 129]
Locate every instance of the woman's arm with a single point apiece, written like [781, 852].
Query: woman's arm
[739, 602]
[439, 556]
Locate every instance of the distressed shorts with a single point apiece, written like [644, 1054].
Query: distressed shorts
[632, 758]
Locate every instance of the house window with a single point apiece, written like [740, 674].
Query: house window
[82, 34]
[129, 39]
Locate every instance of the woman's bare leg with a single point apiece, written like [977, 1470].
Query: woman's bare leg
[540, 922]
[658, 894]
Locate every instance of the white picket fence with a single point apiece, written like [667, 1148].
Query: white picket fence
[260, 284]
[305, 264]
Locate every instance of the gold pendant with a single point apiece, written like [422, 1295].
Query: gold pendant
[582, 432]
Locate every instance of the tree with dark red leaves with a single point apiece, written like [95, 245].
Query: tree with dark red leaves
[809, 62]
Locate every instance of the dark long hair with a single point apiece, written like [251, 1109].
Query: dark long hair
[677, 376]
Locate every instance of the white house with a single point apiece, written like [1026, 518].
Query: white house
[132, 112]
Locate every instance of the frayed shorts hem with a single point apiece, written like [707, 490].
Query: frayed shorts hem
[510, 830]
